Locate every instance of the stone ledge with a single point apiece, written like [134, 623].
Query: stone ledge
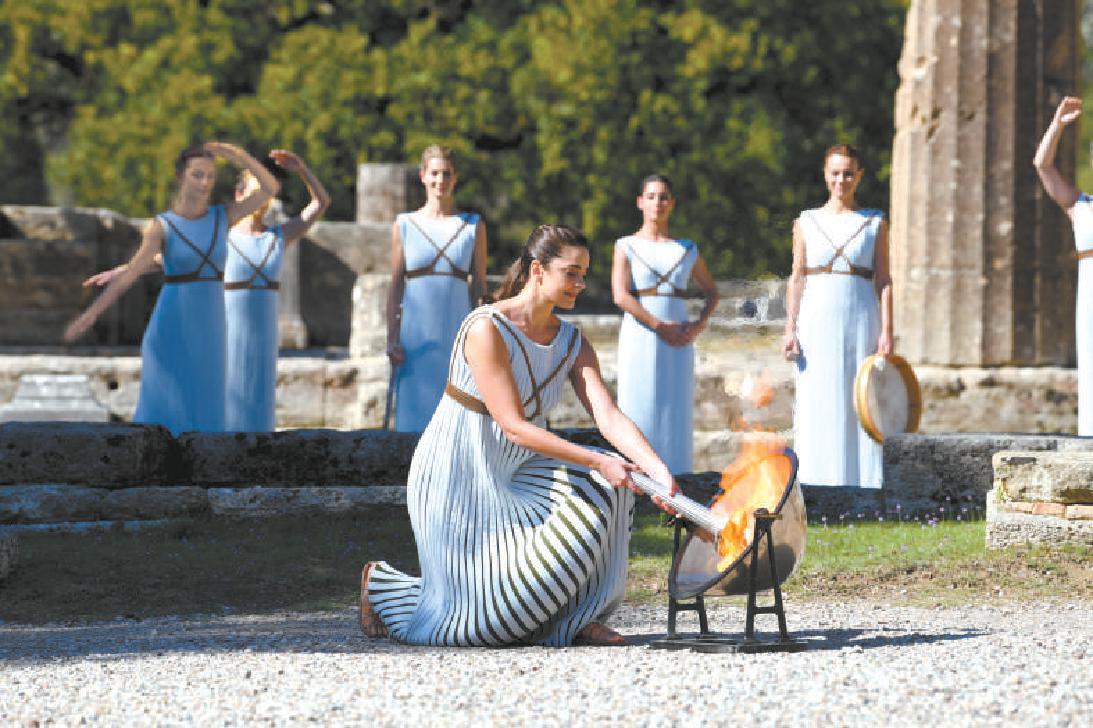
[1010, 528]
[102, 454]
[1078, 512]
[1044, 477]
[298, 457]
[924, 470]
[261, 501]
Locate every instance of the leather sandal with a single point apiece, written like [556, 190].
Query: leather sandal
[370, 623]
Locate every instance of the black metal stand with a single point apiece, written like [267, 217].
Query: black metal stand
[706, 641]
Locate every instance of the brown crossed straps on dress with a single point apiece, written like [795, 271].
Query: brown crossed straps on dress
[259, 270]
[855, 270]
[476, 405]
[196, 274]
[441, 252]
[654, 290]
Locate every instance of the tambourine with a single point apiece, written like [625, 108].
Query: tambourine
[887, 396]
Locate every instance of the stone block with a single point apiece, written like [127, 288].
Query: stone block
[1006, 528]
[340, 392]
[9, 553]
[50, 503]
[298, 457]
[154, 502]
[368, 333]
[299, 399]
[362, 247]
[1045, 477]
[924, 470]
[262, 501]
[105, 454]
[53, 397]
[1083, 512]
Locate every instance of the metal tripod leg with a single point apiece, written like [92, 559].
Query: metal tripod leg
[763, 522]
[675, 606]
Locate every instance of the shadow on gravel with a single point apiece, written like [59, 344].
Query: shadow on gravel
[325, 634]
[854, 639]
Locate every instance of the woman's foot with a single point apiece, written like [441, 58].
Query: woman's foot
[371, 624]
[598, 635]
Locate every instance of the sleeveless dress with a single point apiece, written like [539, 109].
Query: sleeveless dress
[1083, 315]
[514, 547]
[435, 301]
[838, 327]
[250, 303]
[182, 352]
[656, 384]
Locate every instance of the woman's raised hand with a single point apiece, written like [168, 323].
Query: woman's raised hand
[287, 160]
[1070, 108]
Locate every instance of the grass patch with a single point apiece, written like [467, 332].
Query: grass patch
[217, 565]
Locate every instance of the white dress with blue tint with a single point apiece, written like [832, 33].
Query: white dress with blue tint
[656, 380]
[1083, 315]
[251, 282]
[514, 547]
[838, 327]
[182, 353]
[435, 300]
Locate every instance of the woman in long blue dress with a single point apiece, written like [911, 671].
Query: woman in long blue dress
[649, 277]
[839, 311]
[522, 536]
[438, 267]
[182, 353]
[251, 281]
[1078, 206]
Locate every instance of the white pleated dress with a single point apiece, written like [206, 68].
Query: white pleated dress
[837, 327]
[514, 547]
[1083, 314]
[435, 301]
[656, 380]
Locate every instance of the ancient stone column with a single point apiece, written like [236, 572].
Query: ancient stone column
[982, 258]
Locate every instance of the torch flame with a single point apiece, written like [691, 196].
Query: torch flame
[756, 479]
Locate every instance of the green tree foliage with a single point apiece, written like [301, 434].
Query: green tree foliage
[557, 109]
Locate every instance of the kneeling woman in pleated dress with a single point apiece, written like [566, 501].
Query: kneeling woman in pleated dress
[183, 351]
[522, 536]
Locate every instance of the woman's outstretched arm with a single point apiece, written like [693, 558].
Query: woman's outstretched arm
[298, 226]
[1058, 188]
[151, 245]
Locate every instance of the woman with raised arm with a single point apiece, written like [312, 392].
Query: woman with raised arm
[252, 279]
[522, 536]
[656, 371]
[839, 301]
[435, 251]
[1078, 206]
[182, 353]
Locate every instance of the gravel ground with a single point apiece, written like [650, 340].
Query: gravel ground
[869, 665]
